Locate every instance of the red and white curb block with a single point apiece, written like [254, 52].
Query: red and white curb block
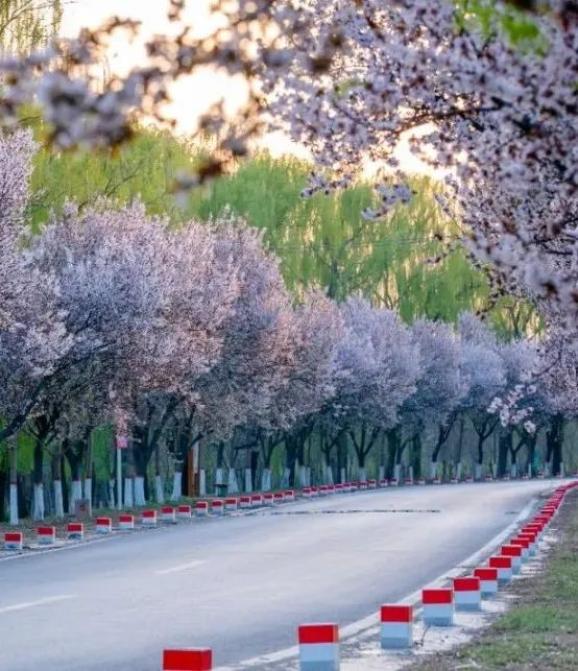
[184, 511]
[268, 499]
[75, 531]
[217, 507]
[149, 518]
[46, 535]
[396, 626]
[188, 659]
[103, 525]
[244, 502]
[126, 522]
[504, 566]
[515, 552]
[168, 515]
[231, 504]
[467, 593]
[318, 647]
[488, 580]
[201, 508]
[13, 540]
[438, 606]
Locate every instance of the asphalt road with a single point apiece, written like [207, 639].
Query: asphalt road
[241, 585]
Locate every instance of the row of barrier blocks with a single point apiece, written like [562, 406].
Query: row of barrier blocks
[319, 642]
[46, 535]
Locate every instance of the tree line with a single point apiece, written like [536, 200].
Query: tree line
[186, 334]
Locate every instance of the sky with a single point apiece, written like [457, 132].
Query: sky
[190, 96]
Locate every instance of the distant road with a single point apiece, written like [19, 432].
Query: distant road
[241, 585]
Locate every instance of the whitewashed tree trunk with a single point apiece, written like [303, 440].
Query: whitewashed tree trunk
[343, 475]
[548, 469]
[478, 472]
[128, 493]
[266, 480]
[328, 475]
[433, 470]
[495, 471]
[459, 468]
[75, 495]
[411, 473]
[514, 471]
[38, 502]
[303, 476]
[362, 473]
[397, 472]
[139, 491]
[286, 478]
[248, 480]
[219, 479]
[14, 519]
[177, 486]
[562, 471]
[58, 499]
[159, 489]
[382, 472]
[88, 490]
[202, 482]
[529, 470]
[232, 484]
[111, 496]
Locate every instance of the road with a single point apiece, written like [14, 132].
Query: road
[241, 585]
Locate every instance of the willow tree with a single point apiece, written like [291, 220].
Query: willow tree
[28, 24]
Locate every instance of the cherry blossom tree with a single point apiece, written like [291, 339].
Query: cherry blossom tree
[377, 370]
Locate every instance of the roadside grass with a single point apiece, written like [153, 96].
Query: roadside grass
[540, 631]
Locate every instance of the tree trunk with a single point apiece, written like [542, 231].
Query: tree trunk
[14, 517]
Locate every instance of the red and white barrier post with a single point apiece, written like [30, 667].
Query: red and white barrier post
[231, 504]
[467, 593]
[149, 518]
[318, 647]
[126, 522]
[504, 566]
[46, 535]
[188, 659]
[103, 525]
[201, 508]
[488, 580]
[438, 606]
[396, 626]
[184, 511]
[515, 552]
[13, 540]
[75, 531]
[168, 515]
[218, 507]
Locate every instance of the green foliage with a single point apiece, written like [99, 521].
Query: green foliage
[322, 241]
[491, 18]
[28, 24]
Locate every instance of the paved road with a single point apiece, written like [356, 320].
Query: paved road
[241, 585]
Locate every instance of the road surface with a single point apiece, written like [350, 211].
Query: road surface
[241, 585]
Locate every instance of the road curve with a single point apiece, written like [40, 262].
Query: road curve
[241, 585]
